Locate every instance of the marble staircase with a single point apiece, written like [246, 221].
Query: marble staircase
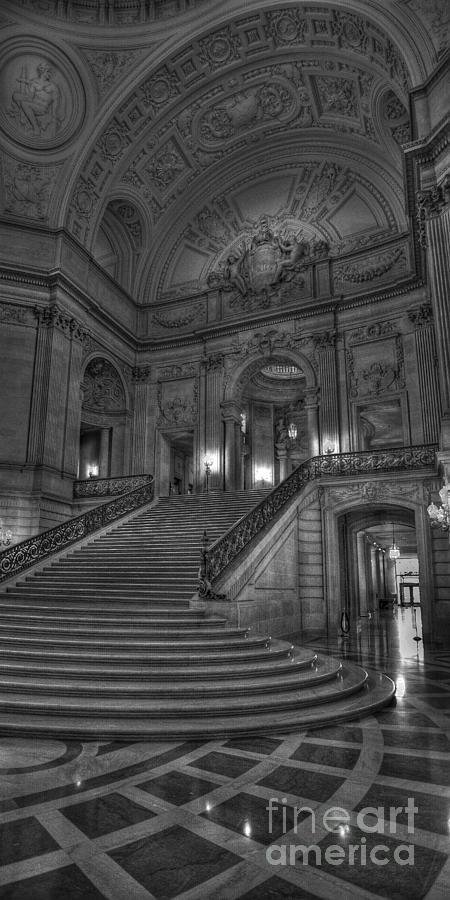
[103, 642]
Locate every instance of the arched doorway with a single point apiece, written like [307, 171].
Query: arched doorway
[272, 406]
[103, 431]
[381, 572]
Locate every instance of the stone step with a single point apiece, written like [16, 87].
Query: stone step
[270, 664]
[133, 656]
[110, 640]
[348, 682]
[327, 669]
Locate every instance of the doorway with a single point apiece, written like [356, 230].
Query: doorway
[176, 464]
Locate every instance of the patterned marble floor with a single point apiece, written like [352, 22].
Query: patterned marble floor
[304, 815]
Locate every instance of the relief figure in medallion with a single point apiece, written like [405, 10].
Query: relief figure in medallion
[38, 103]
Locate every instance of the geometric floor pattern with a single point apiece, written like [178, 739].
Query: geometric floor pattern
[359, 810]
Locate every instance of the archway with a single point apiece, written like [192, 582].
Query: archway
[271, 418]
[103, 431]
[382, 578]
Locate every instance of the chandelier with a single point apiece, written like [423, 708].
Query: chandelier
[440, 515]
[394, 551]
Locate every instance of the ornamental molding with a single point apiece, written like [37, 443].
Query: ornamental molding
[141, 374]
[102, 387]
[179, 319]
[376, 371]
[371, 332]
[375, 492]
[336, 96]
[371, 268]
[422, 316]
[12, 314]
[109, 66]
[53, 317]
[178, 402]
[27, 188]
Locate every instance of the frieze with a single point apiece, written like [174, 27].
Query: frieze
[27, 188]
[374, 491]
[184, 371]
[178, 320]
[10, 314]
[371, 332]
[371, 268]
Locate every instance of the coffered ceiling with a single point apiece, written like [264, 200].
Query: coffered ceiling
[179, 127]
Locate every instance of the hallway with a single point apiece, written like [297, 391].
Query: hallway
[192, 820]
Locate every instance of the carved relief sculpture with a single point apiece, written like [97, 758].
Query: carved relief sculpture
[102, 387]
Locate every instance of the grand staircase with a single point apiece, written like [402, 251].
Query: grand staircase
[104, 643]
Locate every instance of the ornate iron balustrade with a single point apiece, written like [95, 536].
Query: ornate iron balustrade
[107, 487]
[21, 556]
[225, 550]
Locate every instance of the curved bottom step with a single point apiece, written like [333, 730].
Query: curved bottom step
[377, 690]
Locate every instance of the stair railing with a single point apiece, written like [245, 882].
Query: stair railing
[35, 549]
[107, 487]
[217, 556]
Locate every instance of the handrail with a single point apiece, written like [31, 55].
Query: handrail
[225, 549]
[107, 487]
[31, 551]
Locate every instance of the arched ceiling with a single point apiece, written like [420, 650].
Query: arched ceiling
[281, 110]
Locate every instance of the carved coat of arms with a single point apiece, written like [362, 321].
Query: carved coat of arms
[268, 259]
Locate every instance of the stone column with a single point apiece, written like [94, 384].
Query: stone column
[140, 378]
[212, 421]
[103, 460]
[361, 580]
[283, 460]
[55, 401]
[430, 398]
[312, 418]
[231, 416]
[325, 348]
[434, 222]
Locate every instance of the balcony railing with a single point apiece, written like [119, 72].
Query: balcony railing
[33, 550]
[107, 487]
[224, 551]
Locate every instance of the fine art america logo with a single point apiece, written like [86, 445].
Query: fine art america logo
[286, 821]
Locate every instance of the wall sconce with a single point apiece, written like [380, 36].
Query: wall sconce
[292, 431]
[5, 536]
[208, 464]
[329, 448]
[440, 515]
[93, 472]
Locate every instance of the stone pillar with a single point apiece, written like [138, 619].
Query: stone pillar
[434, 221]
[325, 348]
[283, 460]
[103, 460]
[140, 379]
[212, 425]
[430, 398]
[231, 416]
[361, 580]
[53, 439]
[312, 418]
